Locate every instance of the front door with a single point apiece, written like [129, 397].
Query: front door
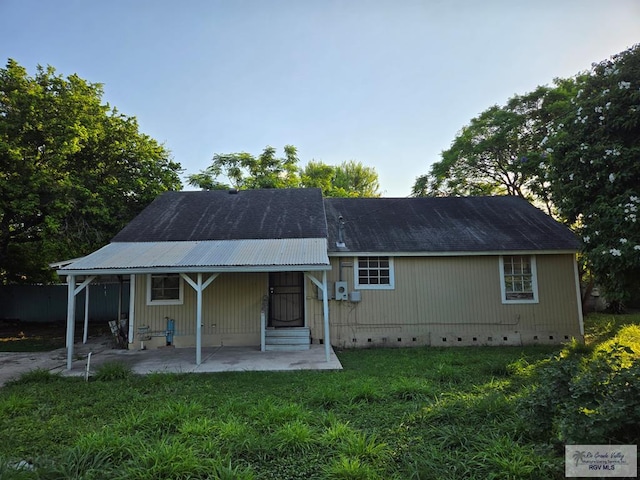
[286, 299]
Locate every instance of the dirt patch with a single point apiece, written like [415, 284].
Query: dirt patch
[26, 346]
[16, 336]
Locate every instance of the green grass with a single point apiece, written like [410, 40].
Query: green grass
[418, 413]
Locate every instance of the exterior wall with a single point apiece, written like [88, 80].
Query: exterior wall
[450, 301]
[231, 307]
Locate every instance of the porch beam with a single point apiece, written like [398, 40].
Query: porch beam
[72, 291]
[199, 287]
[86, 282]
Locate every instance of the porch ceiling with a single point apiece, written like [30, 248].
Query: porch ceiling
[291, 254]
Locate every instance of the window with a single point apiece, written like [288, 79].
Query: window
[518, 279]
[374, 273]
[164, 289]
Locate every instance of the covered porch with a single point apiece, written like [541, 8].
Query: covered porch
[198, 265]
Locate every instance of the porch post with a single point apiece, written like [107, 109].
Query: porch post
[71, 313]
[86, 315]
[325, 308]
[132, 305]
[199, 287]
[199, 320]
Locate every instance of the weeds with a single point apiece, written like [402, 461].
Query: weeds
[110, 371]
[36, 376]
[422, 413]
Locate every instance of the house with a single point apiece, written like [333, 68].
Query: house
[286, 268]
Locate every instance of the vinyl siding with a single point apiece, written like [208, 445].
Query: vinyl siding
[230, 312]
[444, 301]
[438, 301]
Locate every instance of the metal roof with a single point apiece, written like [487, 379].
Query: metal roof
[200, 256]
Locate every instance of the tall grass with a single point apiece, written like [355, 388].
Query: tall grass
[422, 413]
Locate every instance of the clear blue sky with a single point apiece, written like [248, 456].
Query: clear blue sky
[386, 83]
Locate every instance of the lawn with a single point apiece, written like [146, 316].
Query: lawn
[422, 413]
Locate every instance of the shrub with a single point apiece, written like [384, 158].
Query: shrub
[590, 395]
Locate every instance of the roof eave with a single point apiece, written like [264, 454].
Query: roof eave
[207, 269]
[453, 253]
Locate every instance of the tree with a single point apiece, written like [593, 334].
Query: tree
[357, 180]
[502, 151]
[73, 171]
[595, 171]
[349, 179]
[245, 171]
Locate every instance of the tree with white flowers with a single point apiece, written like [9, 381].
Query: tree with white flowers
[595, 171]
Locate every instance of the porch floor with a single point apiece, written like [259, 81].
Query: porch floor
[214, 359]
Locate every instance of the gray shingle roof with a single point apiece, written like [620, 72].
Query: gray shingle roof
[446, 225]
[450, 224]
[220, 215]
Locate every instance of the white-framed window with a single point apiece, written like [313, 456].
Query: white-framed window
[165, 289]
[374, 273]
[518, 279]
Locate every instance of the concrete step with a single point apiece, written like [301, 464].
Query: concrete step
[287, 332]
[286, 348]
[287, 339]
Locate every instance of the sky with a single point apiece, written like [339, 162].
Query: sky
[387, 83]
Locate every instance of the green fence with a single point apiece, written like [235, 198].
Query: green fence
[48, 303]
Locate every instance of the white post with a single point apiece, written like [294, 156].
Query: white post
[199, 321]
[325, 308]
[71, 313]
[263, 330]
[132, 305]
[86, 315]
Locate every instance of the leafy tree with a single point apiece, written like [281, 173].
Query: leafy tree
[245, 171]
[349, 179]
[319, 175]
[595, 171]
[357, 180]
[502, 151]
[73, 171]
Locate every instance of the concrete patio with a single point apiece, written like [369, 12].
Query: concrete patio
[214, 359]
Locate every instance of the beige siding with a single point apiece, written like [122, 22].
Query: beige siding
[439, 301]
[445, 301]
[230, 314]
